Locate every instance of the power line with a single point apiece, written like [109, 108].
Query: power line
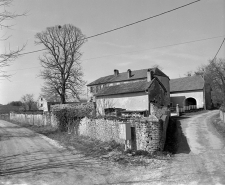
[143, 19]
[170, 45]
[219, 49]
[127, 25]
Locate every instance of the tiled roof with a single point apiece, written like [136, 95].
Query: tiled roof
[186, 84]
[125, 88]
[135, 75]
[132, 87]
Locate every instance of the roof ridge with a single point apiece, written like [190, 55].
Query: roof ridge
[187, 77]
[136, 75]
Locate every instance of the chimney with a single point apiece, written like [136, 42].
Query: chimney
[150, 75]
[128, 73]
[116, 72]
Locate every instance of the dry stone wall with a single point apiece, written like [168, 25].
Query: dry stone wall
[101, 129]
[147, 134]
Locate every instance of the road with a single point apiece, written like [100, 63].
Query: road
[27, 158]
[200, 155]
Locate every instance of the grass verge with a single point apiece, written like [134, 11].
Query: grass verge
[108, 151]
[218, 124]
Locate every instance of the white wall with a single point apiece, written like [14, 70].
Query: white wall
[198, 96]
[134, 101]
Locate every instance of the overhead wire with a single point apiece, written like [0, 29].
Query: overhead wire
[170, 45]
[218, 49]
[121, 27]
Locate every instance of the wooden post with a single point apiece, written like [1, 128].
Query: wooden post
[177, 110]
[125, 145]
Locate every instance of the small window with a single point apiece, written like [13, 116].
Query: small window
[41, 105]
[92, 89]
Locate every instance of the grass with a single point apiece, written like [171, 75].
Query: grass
[219, 125]
[109, 151]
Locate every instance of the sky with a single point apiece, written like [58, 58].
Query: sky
[140, 46]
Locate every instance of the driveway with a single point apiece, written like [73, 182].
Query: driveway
[200, 154]
[27, 158]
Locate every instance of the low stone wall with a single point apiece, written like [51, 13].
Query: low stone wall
[147, 134]
[32, 119]
[222, 116]
[101, 129]
[150, 133]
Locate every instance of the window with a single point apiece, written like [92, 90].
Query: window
[92, 89]
[41, 105]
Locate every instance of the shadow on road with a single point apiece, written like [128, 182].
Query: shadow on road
[176, 142]
[45, 160]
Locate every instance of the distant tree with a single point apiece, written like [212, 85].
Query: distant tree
[28, 102]
[189, 73]
[10, 55]
[157, 66]
[16, 103]
[62, 71]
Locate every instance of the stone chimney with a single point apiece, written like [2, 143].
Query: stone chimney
[128, 73]
[150, 75]
[116, 72]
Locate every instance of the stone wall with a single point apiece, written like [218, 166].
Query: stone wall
[158, 110]
[150, 133]
[101, 129]
[147, 134]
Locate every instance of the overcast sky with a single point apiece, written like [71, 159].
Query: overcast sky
[128, 48]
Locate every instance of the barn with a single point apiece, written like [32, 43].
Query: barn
[190, 92]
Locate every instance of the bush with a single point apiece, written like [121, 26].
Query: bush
[222, 108]
[69, 116]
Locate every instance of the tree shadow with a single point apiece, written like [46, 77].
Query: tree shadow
[176, 141]
[49, 161]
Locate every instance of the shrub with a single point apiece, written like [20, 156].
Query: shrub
[222, 108]
[69, 116]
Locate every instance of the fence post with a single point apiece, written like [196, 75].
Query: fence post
[177, 110]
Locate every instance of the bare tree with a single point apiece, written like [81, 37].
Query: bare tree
[28, 102]
[62, 70]
[10, 55]
[49, 94]
[214, 74]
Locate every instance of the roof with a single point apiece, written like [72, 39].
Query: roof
[189, 83]
[135, 75]
[131, 87]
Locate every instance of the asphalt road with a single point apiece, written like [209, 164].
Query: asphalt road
[27, 158]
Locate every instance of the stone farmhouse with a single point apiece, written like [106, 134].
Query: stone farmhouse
[131, 90]
[190, 92]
